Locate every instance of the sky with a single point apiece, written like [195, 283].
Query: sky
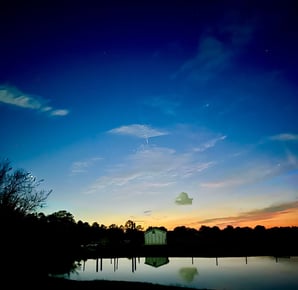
[167, 113]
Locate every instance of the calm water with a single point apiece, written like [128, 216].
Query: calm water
[238, 273]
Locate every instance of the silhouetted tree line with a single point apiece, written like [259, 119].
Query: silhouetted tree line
[33, 243]
[235, 241]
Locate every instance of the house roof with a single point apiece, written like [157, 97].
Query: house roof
[155, 229]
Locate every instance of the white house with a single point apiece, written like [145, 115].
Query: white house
[155, 236]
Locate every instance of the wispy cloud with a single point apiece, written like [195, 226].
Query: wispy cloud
[148, 170]
[139, 131]
[14, 97]
[292, 159]
[255, 171]
[213, 54]
[254, 215]
[59, 112]
[223, 183]
[83, 166]
[209, 144]
[212, 57]
[166, 105]
[284, 137]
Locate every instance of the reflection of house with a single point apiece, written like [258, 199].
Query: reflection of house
[155, 236]
[156, 261]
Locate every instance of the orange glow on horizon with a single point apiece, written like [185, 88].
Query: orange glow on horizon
[286, 218]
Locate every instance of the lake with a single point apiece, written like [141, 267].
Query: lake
[233, 273]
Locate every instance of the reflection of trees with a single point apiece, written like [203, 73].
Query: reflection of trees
[188, 273]
[62, 266]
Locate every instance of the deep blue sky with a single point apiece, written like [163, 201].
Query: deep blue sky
[121, 106]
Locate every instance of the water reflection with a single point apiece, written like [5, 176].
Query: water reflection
[152, 261]
[188, 273]
[234, 273]
[156, 261]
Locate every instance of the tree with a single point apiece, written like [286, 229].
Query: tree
[62, 216]
[130, 225]
[19, 190]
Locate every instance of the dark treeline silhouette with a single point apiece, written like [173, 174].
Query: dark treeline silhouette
[51, 243]
[35, 244]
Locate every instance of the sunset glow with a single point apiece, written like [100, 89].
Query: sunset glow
[167, 113]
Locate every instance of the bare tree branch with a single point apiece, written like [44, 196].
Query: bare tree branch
[19, 190]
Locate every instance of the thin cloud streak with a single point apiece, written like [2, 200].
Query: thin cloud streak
[154, 167]
[214, 55]
[254, 215]
[222, 184]
[209, 144]
[211, 58]
[256, 171]
[138, 130]
[284, 137]
[14, 97]
[59, 112]
[164, 104]
[83, 166]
